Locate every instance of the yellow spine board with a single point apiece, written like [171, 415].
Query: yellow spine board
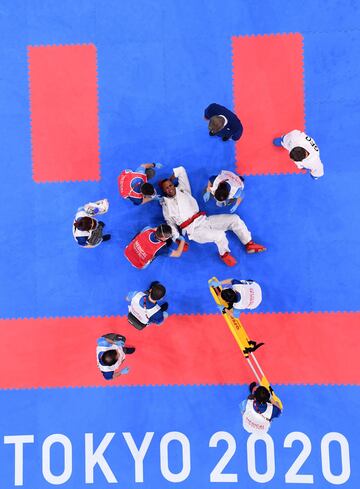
[239, 333]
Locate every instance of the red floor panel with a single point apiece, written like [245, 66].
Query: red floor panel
[268, 98]
[300, 348]
[64, 113]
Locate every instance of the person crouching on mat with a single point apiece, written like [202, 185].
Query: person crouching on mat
[146, 307]
[152, 242]
[240, 295]
[87, 231]
[110, 354]
[135, 186]
[259, 409]
[227, 188]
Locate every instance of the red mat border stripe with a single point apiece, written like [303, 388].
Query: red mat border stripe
[310, 348]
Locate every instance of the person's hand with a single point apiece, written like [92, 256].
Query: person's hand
[125, 371]
[206, 196]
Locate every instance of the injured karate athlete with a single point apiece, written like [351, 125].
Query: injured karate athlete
[181, 210]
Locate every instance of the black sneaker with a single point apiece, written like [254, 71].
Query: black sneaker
[211, 133]
[225, 138]
[101, 223]
[106, 237]
[128, 350]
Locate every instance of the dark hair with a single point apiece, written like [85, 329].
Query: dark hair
[150, 173]
[222, 192]
[109, 358]
[216, 123]
[262, 395]
[83, 223]
[298, 153]
[229, 296]
[163, 231]
[147, 189]
[157, 291]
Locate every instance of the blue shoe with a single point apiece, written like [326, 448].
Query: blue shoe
[277, 141]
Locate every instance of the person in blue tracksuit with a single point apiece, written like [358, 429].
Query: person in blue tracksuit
[223, 122]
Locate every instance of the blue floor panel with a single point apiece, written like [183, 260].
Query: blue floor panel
[198, 413]
[160, 63]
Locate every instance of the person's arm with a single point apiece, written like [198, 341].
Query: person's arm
[144, 166]
[103, 341]
[276, 409]
[135, 200]
[123, 371]
[181, 175]
[236, 312]
[178, 252]
[148, 165]
[207, 112]
[82, 241]
[170, 221]
[227, 281]
[299, 165]
[236, 205]
[210, 111]
[131, 295]
[291, 139]
[157, 318]
[243, 406]
[207, 191]
[318, 171]
[237, 134]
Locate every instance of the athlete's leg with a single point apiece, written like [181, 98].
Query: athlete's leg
[206, 233]
[228, 222]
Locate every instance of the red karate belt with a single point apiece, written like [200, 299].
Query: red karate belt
[187, 223]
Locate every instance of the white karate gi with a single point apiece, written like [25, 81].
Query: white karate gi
[311, 162]
[204, 229]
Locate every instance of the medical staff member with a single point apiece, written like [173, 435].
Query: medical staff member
[181, 210]
[147, 307]
[88, 231]
[240, 294]
[110, 354]
[259, 409]
[153, 242]
[303, 151]
[134, 185]
[227, 188]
